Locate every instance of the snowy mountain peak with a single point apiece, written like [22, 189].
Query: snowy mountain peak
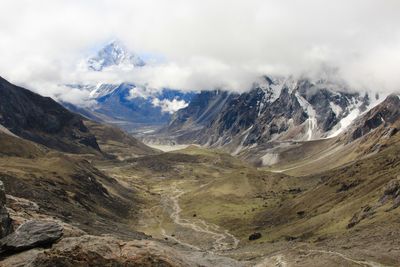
[114, 54]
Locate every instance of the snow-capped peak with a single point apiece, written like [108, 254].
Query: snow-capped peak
[114, 54]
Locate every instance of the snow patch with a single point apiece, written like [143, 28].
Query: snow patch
[345, 122]
[311, 122]
[269, 159]
[6, 131]
[354, 113]
[101, 90]
[240, 146]
[291, 84]
[336, 109]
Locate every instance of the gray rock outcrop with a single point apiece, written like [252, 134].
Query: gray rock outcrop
[31, 234]
[5, 221]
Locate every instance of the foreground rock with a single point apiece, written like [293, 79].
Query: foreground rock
[31, 234]
[5, 221]
[88, 250]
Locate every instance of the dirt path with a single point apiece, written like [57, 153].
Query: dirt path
[358, 262]
[277, 261]
[221, 238]
[165, 220]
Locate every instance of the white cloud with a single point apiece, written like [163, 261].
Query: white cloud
[206, 44]
[143, 92]
[169, 106]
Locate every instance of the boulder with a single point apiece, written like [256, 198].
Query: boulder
[391, 192]
[392, 187]
[5, 221]
[255, 236]
[31, 234]
[365, 212]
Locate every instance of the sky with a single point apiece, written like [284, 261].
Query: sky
[200, 45]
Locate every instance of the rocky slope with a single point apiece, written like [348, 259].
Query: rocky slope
[36, 133]
[385, 115]
[274, 110]
[370, 133]
[52, 180]
[43, 120]
[116, 143]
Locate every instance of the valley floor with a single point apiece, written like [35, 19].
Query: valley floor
[207, 203]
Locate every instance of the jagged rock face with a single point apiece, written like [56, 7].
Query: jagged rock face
[387, 113]
[203, 108]
[275, 109]
[5, 221]
[31, 234]
[43, 120]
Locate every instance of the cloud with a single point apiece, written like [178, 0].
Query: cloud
[204, 44]
[151, 93]
[169, 106]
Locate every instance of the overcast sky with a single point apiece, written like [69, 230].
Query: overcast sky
[204, 44]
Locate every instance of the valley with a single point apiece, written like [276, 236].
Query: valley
[322, 202]
[199, 133]
[215, 208]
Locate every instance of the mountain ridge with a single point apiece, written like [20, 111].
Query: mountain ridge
[43, 120]
[129, 105]
[273, 110]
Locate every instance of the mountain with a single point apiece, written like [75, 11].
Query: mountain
[42, 120]
[275, 110]
[370, 133]
[114, 54]
[385, 115]
[320, 202]
[130, 106]
[49, 196]
[45, 167]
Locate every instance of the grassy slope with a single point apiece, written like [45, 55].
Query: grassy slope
[219, 188]
[314, 209]
[116, 142]
[342, 193]
[88, 197]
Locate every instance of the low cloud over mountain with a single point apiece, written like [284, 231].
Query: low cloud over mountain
[189, 47]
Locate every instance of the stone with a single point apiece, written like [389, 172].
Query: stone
[396, 202]
[255, 236]
[31, 234]
[392, 187]
[5, 221]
